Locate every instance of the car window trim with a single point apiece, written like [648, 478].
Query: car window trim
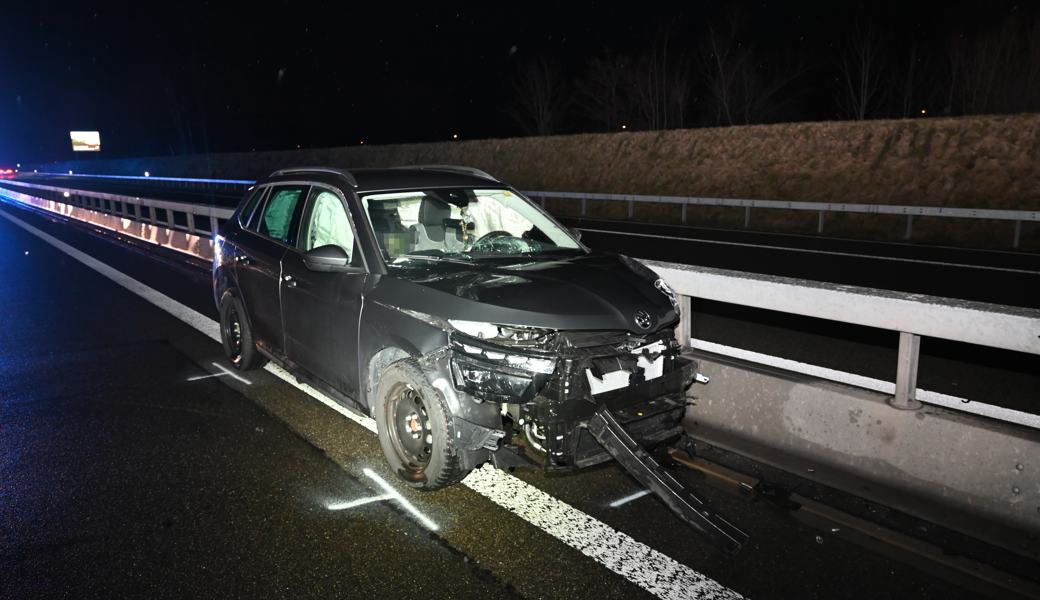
[261, 192]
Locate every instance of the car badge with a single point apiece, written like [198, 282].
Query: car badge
[643, 319]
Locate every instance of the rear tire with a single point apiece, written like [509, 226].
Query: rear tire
[236, 335]
[415, 428]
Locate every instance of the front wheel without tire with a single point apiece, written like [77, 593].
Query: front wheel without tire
[236, 336]
[415, 428]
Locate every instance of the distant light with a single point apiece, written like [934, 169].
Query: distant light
[19, 165]
[454, 136]
[362, 142]
[70, 172]
[297, 146]
[147, 174]
[34, 170]
[924, 111]
[66, 194]
[624, 126]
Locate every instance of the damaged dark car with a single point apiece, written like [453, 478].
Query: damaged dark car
[464, 319]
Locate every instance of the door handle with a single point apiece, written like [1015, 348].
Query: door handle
[289, 281]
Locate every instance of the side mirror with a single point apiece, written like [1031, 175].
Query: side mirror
[327, 258]
[575, 232]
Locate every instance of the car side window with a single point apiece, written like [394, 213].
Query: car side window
[277, 220]
[327, 222]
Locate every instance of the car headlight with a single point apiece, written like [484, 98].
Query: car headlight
[500, 356]
[667, 290]
[495, 362]
[501, 334]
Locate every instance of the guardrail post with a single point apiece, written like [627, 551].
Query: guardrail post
[631, 208]
[747, 216]
[191, 222]
[213, 228]
[583, 207]
[819, 222]
[909, 227]
[684, 212]
[1018, 234]
[683, 329]
[906, 372]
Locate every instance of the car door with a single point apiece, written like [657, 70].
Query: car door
[321, 309]
[258, 259]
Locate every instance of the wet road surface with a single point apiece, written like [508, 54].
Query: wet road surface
[122, 476]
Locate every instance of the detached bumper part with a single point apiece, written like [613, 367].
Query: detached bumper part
[683, 502]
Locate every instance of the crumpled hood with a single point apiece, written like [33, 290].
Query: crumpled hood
[590, 292]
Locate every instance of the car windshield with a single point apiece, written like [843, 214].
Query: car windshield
[463, 224]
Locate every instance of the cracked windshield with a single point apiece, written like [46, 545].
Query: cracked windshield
[464, 224]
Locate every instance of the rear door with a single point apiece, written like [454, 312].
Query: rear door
[270, 231]
[321, 309]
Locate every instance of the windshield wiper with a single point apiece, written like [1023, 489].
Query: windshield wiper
[438, 258]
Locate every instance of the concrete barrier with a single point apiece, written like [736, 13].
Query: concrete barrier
[981, 477]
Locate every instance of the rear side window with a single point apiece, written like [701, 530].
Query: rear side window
[279, 212]
[250, 205]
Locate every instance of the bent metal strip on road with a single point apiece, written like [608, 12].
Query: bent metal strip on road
[655, 572]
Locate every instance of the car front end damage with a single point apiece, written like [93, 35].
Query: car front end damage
[552, 384]
[579, 398]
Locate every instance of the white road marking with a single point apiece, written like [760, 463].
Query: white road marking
[396, 495]
[358, 502]
[870, 383]
[640, 564]
[224, 371]
[629, 498]
[232, 373]
[810, 251]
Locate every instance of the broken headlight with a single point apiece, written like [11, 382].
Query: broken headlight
[507, 335]
[667, 290]
[649, 274]
[492, 372]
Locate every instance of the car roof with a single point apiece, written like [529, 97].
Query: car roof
[398, 178]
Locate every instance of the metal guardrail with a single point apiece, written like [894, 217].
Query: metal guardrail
[821, 208]
[912, 315]
[195, 219]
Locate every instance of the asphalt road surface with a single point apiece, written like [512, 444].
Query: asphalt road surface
[133, 465]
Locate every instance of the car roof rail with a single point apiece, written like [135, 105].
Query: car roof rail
[341, 172]
[454, 169]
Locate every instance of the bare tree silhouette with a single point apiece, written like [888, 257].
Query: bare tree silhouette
[602, 95]
[862, 69]
[540, 96]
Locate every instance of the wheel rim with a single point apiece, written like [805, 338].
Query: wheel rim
[233, 334]
[409, 427]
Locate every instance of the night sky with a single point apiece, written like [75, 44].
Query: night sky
[170, 78]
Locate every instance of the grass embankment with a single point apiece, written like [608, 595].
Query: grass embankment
[972, 162]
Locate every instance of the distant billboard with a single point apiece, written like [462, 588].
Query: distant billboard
[85, 141]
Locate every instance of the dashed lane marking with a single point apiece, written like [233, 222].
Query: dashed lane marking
[640, 564]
